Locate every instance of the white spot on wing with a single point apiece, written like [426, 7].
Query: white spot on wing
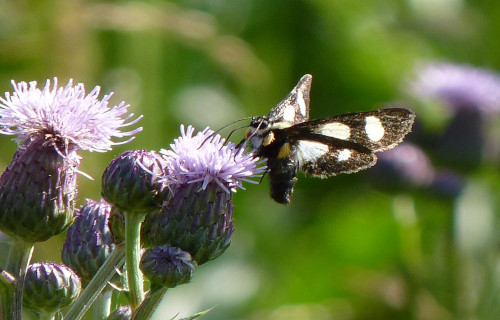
[344, 155]
[310, 151]
[374, 128]
[335, 130]
[289, 113]
[302, 103]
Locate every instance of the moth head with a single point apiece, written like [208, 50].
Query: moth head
[257, 131]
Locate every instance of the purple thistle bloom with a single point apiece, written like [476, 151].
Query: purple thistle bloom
[64, 117]
[206, 158]
[472, 94]
[204, 171]
[408, 167]
[38, 189]
[458, 86]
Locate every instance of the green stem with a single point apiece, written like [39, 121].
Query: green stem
[150, 303]
[47, 316]
[102, 305]
[7, 283]
[97, 284]
[133, 223]
[17, 264]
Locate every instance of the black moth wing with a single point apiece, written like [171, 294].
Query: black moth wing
[346, 143]
[295, 107]
[327, 157]
[376, 130]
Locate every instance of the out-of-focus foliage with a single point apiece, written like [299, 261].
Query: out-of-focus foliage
[361, 246]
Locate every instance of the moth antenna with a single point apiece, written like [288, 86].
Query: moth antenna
[222, 128]
[233, 131]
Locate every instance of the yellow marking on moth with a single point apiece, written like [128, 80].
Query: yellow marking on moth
[268, 139]
[285, 151]
[282, 125]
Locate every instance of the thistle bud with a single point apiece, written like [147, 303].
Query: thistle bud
[167, 266]
[121, 313]
[37, 192]
[89, 240]
[116, 224]
[196, 220]
[131, 181]
[49, 287]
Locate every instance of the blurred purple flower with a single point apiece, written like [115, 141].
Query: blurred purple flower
[473, 95]
[447, 183]
[206, 157]
[407, 166]
[406, 163]
[459, 86]
[64, 117]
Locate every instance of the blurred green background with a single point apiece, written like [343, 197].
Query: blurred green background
[346, 247]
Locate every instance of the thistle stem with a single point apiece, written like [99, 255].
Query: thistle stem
[98, 282]
[150, 303]
[7, 283]
[133, 222]
[17, 264]
[102, 305]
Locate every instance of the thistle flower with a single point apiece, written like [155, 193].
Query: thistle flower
[471, 94]
[167, 266]
[405, 165]
[408, 167]
[89, 240]
[49, 287]
[205, 172]
[64, 118]
[207, 158]
[458, 86]
[38, 189]
[132, 181]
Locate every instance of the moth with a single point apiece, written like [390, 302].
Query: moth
[325, 147]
